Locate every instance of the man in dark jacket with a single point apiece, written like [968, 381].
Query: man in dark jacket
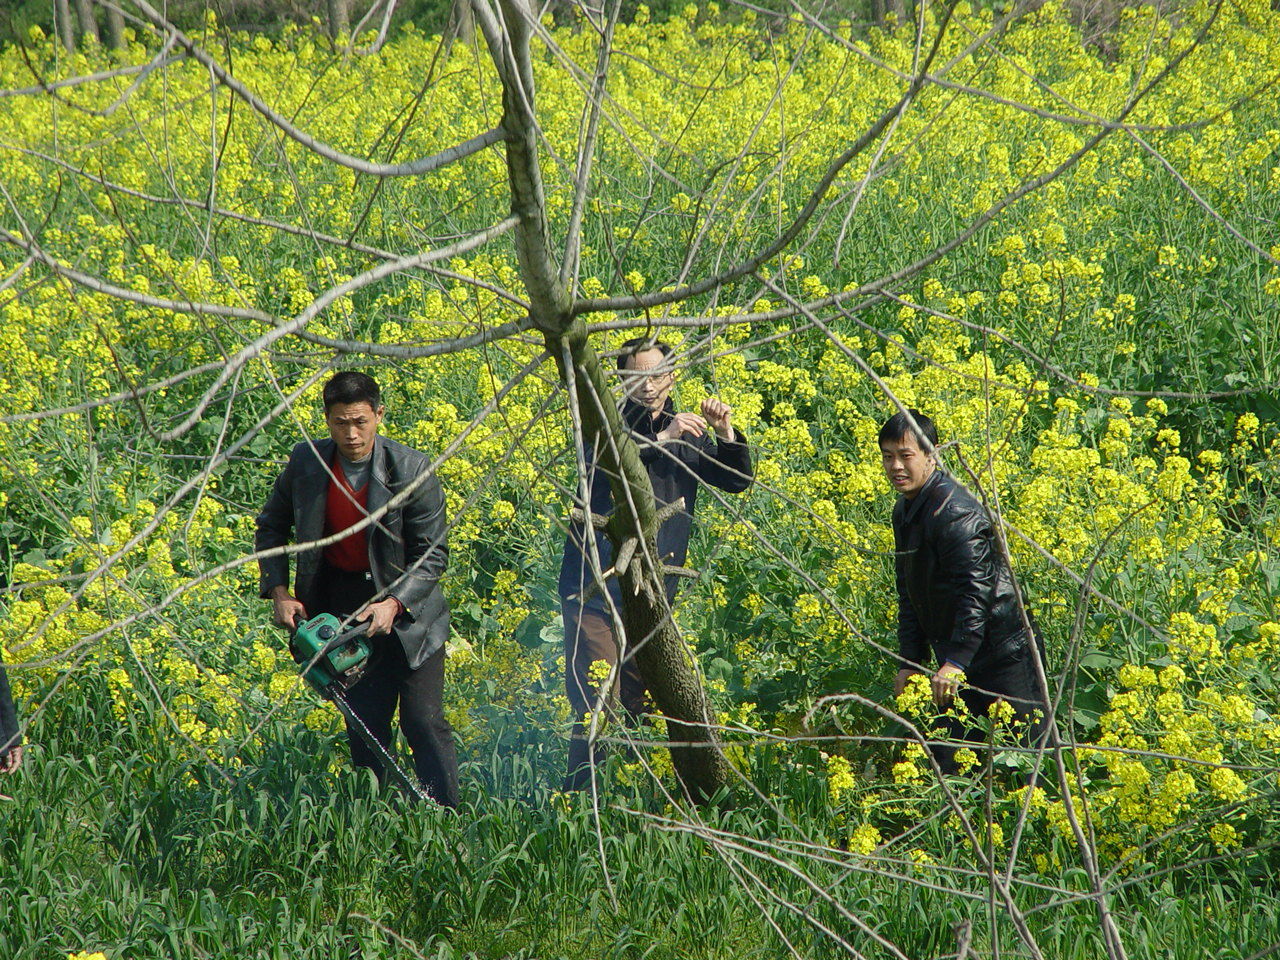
[10, 734]
[680, 451]
[956, 599]
[386, 574]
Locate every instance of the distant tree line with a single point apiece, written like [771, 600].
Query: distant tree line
[76, 22]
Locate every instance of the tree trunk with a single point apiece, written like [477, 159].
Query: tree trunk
[462, 22]
[115, 28]
[88, 20]
[339, 19]
[661, 655]
[62, 13]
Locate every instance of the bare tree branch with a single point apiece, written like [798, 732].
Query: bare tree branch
[407, 169]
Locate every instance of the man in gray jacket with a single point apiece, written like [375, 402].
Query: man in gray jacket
[10, 733]
[385, 574]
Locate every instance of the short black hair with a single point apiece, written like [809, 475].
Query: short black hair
[639, 345]
[898, 426]
[351, 386]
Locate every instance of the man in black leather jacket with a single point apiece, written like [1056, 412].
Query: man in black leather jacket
[956, 600]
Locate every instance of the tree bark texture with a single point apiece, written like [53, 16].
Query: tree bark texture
[115, 28]
[339, 18]
[62, 12]
[664, 661]
[538, 268]
[88, 20]
[462, 23]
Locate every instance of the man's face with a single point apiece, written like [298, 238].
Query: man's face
[353, 427]
[907, 467]
[648, 378]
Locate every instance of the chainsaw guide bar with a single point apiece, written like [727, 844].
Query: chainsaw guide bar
[333, 660]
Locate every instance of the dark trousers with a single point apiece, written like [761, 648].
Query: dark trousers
[588, 638]
[1013, 680]
[389, 682]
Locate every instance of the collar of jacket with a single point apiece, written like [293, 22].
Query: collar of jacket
[912, 507]
[639, 418]
[315, 483]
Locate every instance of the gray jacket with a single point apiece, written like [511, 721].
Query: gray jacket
[408, 551]
[10, 734]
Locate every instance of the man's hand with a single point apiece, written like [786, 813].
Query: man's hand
[12, 760]
[900, 681]
[717, 414]
[945, 683]
[381, 616]
[286, 609]
[681, 424]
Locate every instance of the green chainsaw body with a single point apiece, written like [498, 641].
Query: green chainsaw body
[331, 659]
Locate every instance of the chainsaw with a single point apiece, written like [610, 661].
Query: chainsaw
[333, 660]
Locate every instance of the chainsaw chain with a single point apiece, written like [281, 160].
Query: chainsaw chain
[408, 784]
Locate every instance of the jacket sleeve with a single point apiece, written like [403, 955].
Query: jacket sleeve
[426, 548]
[728, 464]
[913, 647]
[967, 553]
[274, 529]
[9, 730]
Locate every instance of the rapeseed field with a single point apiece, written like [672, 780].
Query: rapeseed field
[1100, 356]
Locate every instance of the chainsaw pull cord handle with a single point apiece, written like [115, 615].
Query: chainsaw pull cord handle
[354, 631]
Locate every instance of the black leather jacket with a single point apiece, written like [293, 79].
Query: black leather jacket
[676, 470]
[955, 592]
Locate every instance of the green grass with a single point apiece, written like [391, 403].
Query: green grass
[107, 848]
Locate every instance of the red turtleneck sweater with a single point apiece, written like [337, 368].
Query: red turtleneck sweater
[345, 508]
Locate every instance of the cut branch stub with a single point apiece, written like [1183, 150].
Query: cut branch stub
[598, 520]
[625, 553]
[669, 511]
[669, 571]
